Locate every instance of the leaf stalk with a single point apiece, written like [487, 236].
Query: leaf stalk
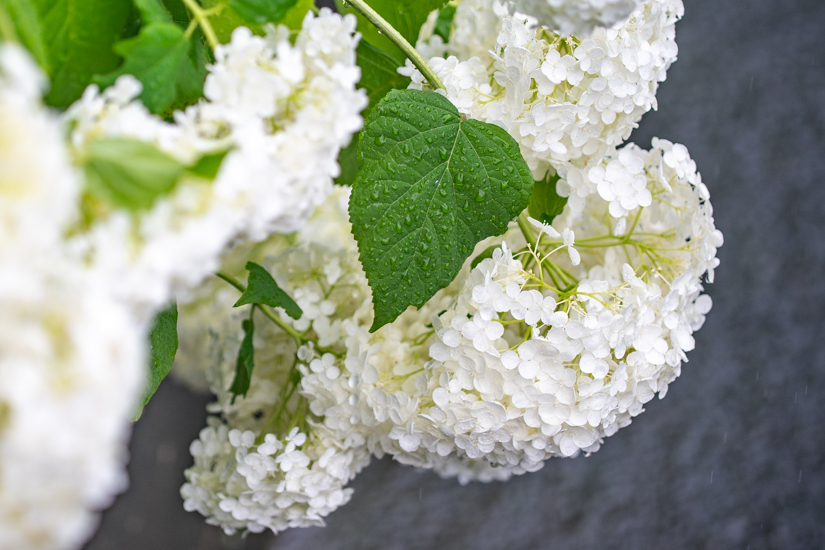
[265, 310]
[202, 17]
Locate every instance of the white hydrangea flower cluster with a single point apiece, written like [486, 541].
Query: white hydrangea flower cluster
[576, 16]
[282, 111]
[75, 314]
[38, 186]
[271, 463]
[526, 370]
[565, 100]
[509, 366]
[528, 364]
[71, 355]
[476, 25]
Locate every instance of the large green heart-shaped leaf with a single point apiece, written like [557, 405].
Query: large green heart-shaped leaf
[430, 186]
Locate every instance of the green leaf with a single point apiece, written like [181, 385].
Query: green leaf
[348, 161]
[20, 22]
[262, 289]
[159, 58]
[153, 11]
[246, 361]
[546, 203]
[444, 22]
[207, 167]
[430, 187]
[230, 19]
[79, 37]
[178, 11]
[378, 77]
[129, 174]
[406, 16]
[294, 18]
[163, 344]
[261, 11]
[378, 73]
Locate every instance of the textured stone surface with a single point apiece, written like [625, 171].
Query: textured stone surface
[734, 457]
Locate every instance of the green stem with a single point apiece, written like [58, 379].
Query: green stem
[190, 29]
[272, 422]
[526, 229]
[389, 31]
[299, 338]
[202, 17]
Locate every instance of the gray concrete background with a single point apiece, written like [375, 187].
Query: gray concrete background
[733, 457]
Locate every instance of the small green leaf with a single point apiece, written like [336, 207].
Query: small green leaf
[430, 187]
[348, 161]
[406, 16]
[159, 58]
[246, 361]
[208, 165]
[129, 174]
[262, 11]
[486, 253]
[79, 36]
[20, 20]
[444, 22]
[262, 289]
[163, 345]
[546, 203]
[378, 77]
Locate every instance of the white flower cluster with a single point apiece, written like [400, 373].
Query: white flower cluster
[580, 363]
[531, 363]
[525, 357]
[565, 100]
[79, 285]
[71, 355]
[576, 16]
[282, 111]
[270, 463]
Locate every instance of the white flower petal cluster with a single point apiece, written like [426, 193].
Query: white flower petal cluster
[252, 470]
[242, 485]
[76, 299]
[576, 16]
[71, 355]
[476, 25]
[282, 111]
[521, 371]
[565, 100]
[38, 186]
[580, 366]
[507, 367]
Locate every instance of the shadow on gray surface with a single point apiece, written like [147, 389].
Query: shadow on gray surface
[734, 457]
